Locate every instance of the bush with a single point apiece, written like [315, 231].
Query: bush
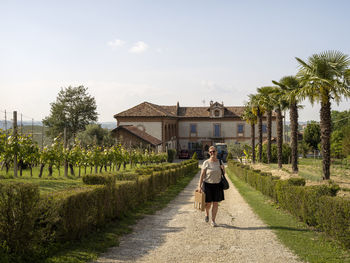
[99, 179]
[286, 153]
[171, 155]
[194, 156]
[18, 213]
[317, 206]
[30, 225]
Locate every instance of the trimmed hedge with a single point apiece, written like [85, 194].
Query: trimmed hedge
[317, 206]
[40, 222]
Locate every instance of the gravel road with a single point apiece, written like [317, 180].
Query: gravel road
[178, 233]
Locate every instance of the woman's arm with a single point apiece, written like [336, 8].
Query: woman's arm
[199, 189]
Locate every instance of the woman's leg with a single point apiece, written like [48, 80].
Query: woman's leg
[214, 210]
[207, 208]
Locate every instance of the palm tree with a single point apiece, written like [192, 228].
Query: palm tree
[250, 118]
[258, 110]
[325, 76]
[265, 99]
[280, 105]
[291, 86]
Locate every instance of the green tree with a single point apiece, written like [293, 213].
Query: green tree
[95, 134]
[259, 111]
[312, 134]
[325, 77]
[74, 108]
[291, 86]
[266, 101]
[249, 116]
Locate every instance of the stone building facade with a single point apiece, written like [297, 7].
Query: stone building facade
[190, 127]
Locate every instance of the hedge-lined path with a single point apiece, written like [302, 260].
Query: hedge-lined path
[178, 233]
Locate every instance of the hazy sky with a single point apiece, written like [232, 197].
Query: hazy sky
[127, 52]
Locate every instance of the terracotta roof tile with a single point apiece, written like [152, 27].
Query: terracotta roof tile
[141, 134]
[146, 109]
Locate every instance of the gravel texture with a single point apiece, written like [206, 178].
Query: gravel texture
[178, 233]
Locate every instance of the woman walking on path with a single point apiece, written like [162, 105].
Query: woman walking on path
[211, 177]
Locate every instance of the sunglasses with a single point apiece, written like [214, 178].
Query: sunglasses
[212, 151]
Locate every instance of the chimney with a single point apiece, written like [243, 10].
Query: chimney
[177, 108]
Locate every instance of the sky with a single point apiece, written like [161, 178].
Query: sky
[163, 52]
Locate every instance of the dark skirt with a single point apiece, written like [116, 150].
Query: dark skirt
[213, 192]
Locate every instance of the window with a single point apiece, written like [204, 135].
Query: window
[193, 128]
[217, 131]
[264, 129]
[216, 113]
[240, 129]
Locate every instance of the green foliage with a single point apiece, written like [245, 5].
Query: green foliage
[337, 144]
[99, 179]
[95, 134]
[171, 155]
[303, 148]
[286, 153]
[74, 108]
[194, 156]
[317, 206]
[312, 134]
[43, 223]
[18, 215]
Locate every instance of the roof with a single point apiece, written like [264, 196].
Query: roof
[147, 109]
[141, 134]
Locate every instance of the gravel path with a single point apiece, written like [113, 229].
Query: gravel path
[178, 233]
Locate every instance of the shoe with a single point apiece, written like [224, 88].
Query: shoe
[206, 219]
[213, 224]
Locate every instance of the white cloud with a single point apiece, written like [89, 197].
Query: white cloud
[116, 43]
[138, 47]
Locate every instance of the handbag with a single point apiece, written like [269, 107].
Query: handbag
[224, 183]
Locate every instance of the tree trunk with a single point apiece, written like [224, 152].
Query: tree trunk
[71, 169]
[293, 110]
[31, 170]
[50, 170]
[325, 117]
[260, 133]
[41, 170]
[253, 141]
[279, 137]
[269, 124]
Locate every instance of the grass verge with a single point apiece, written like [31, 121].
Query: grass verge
[309, 245]
[98, 242]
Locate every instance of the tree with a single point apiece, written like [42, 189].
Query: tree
[249, 116]
[291, 87]
[280, 104]
[312, 134]
[73, 109]
[265, 100]
[95, 134]
[325, 77]
[258, 110]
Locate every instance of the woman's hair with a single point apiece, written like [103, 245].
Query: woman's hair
[212, 148]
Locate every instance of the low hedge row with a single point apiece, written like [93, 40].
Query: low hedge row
[317, 206]
[31, 225]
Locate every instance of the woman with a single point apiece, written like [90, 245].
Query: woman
[211, 177]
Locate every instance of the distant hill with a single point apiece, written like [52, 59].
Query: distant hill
[106, 125]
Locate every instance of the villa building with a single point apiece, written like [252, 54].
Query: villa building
[176, 127]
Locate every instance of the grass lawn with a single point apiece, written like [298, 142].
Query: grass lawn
[46, 183]
[309, 245]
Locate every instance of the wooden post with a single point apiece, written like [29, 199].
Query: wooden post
[15, 168]
[65, 148]
[42, 136]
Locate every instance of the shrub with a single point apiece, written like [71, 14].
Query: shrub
[194, 156]
[315, 205]
[171, 155]
[286, 153]
[99, 179]
[18, 212]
